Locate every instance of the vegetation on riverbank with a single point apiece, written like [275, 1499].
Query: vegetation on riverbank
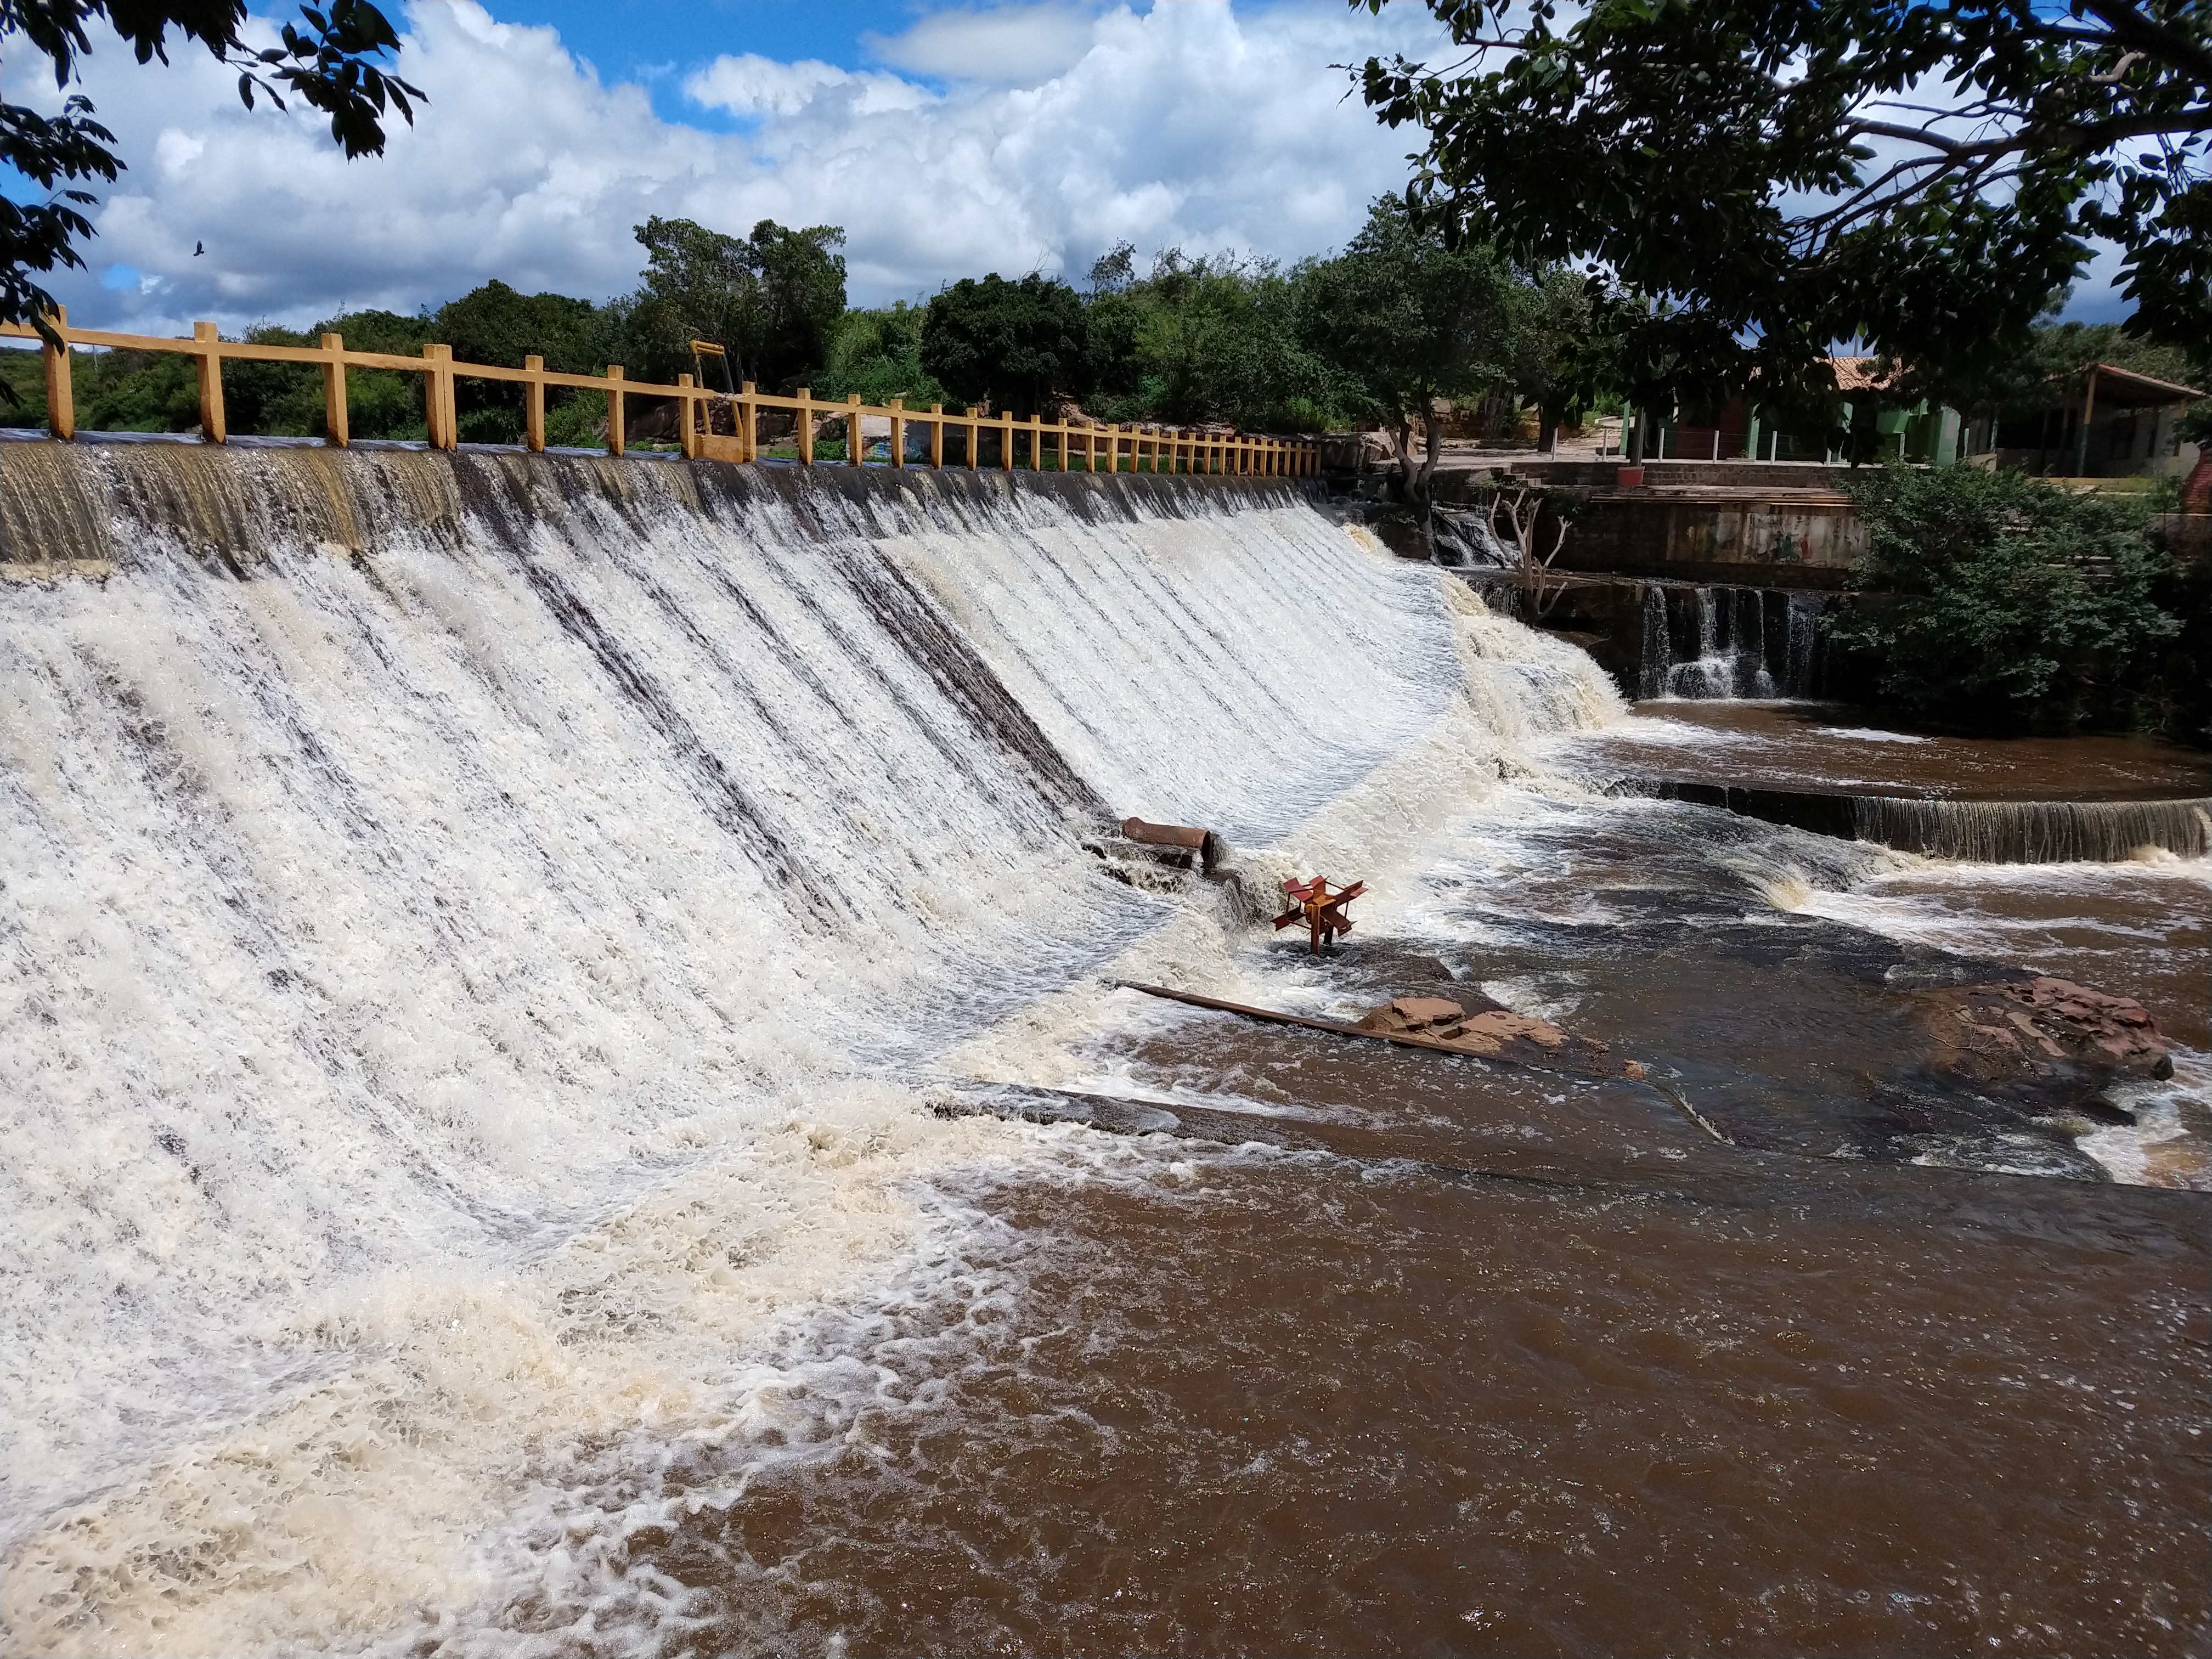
[1999, 601]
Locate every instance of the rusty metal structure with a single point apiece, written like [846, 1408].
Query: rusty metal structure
[1320, 907]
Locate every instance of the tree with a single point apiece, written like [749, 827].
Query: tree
[495, 324]
[1558, 357]
[773, 299]
[1528, 523]
[1998, 600]
[1919, 176]
[1217, 338]
[1016, 342]
[382, 403]
[336, 66]
[1412, 320]
[878, 354]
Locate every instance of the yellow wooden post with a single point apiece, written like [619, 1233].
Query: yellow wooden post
[212, 425]
[1006, 441]
[806, 427]
[687, 416]
[61, 399]
[1060, 445]
[617, 411]
[937, 437]
[748, 435]
[434, 415]
[1036, 443]
[898, 431]
[533, 406]
[974, 441]
[853, 452]
[336, 428]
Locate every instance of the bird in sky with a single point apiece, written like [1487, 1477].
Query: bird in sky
[199, 248]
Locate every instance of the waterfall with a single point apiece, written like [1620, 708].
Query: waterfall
[415, 863]
[1706, 642]
[1657, 655]
[2035, 832]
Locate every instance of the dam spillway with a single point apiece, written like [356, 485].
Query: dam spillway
[410, 857]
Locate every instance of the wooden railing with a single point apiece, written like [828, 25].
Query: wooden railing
[1092, 448]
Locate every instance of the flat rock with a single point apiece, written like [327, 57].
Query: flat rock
[1495, 1033]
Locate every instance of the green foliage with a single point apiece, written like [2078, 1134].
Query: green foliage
[1774, 172]
[135, 391]
[1014, 343]
[1559, 357]
[23, 385]
[773, 300]
[382, 403]
[1998, 599]
[335, 65]
[878, 354]
[495, 324]
[2181, 685]
[1408, 318]
[1210, 339]
[279, 399]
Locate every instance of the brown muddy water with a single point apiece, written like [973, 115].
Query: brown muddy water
[1361, 1351]
[1832, 746]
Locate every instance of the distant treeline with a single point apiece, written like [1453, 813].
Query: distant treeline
[1374, 336]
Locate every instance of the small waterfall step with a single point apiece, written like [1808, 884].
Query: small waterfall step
[1973, 831]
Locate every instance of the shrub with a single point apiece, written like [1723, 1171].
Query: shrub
[1998, 600]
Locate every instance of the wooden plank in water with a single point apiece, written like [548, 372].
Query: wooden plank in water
[1404, 1039]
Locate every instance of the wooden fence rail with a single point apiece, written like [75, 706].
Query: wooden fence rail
[1120, 448]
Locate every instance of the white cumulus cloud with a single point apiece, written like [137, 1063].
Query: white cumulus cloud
[1018, 45]
[1195, 124]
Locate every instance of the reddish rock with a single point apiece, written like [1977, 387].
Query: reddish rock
[1495, 1033]
[2032, 1031]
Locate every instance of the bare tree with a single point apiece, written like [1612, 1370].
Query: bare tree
[1523, 515]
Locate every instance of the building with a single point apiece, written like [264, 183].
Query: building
[2098, 422]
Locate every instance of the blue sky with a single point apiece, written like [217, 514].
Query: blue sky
[652, 41]
[947, 139]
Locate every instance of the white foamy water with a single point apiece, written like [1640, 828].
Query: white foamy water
[473, 928]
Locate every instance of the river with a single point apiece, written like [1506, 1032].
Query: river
[574, 1091]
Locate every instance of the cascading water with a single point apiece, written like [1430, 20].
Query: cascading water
[460, 907]
[2034, 832]
[1728, 642]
